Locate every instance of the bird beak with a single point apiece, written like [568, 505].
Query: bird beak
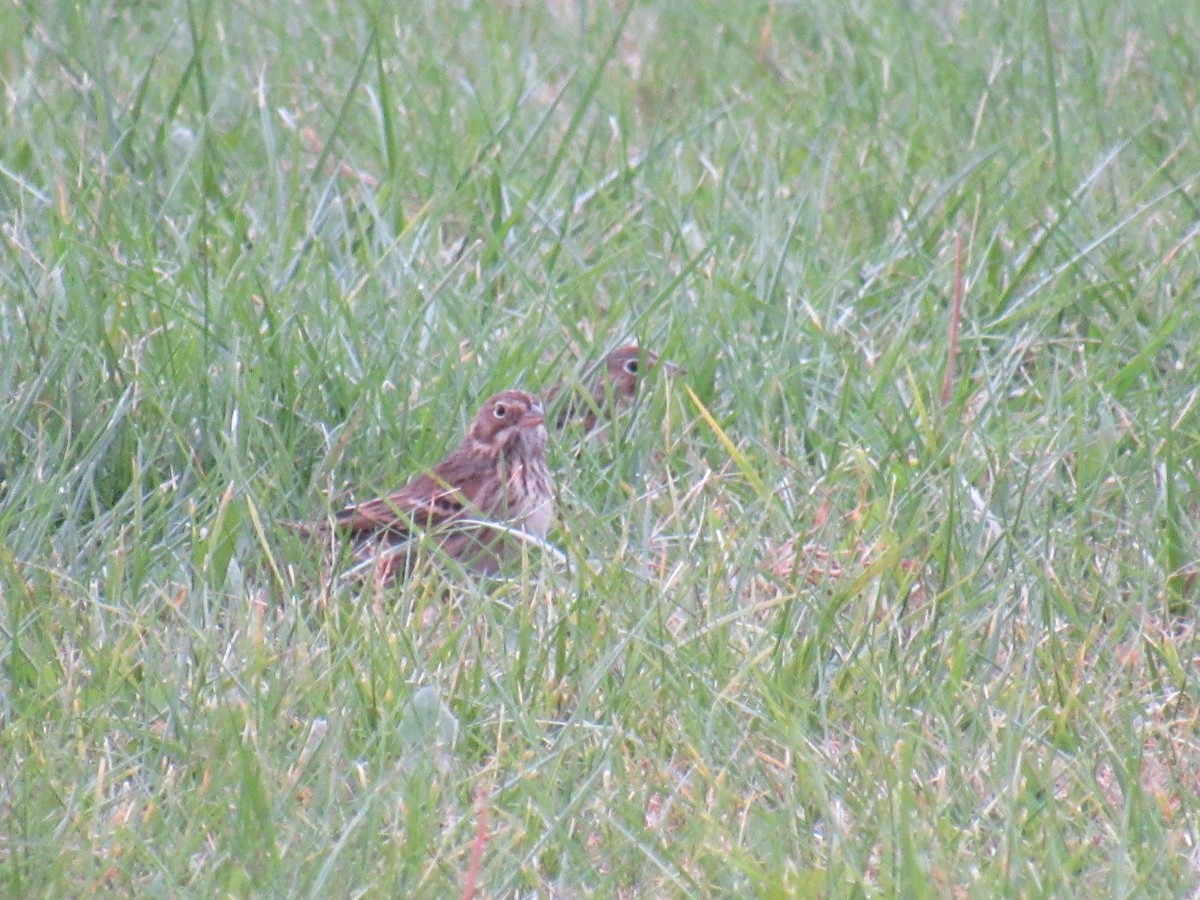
[671, 369]
[535, 417]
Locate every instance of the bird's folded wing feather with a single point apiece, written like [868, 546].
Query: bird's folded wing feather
[424, 503]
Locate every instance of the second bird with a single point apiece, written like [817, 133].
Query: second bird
[610, 393]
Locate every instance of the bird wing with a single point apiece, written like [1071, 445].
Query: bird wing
[449, 491]
[425, 502]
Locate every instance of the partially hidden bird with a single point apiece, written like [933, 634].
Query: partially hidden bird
[612, 391]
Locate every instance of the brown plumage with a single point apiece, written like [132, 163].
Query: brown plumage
[613, 390]
[497, 474]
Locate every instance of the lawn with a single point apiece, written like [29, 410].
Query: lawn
[892, 593]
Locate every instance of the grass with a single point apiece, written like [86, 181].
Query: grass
[820, 633]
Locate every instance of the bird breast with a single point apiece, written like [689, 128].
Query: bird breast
[531, 495]
[540, 517]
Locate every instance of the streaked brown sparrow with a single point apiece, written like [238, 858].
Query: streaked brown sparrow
[475, 506]
[613, 390]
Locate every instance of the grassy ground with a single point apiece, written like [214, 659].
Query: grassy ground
[822, 633]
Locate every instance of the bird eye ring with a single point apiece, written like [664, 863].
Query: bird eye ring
[500, 411]
[631, 367]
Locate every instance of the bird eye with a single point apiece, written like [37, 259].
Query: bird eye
[631, 367]
[500, 410]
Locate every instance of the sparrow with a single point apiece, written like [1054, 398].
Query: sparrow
[474, 506]
[610, 393]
